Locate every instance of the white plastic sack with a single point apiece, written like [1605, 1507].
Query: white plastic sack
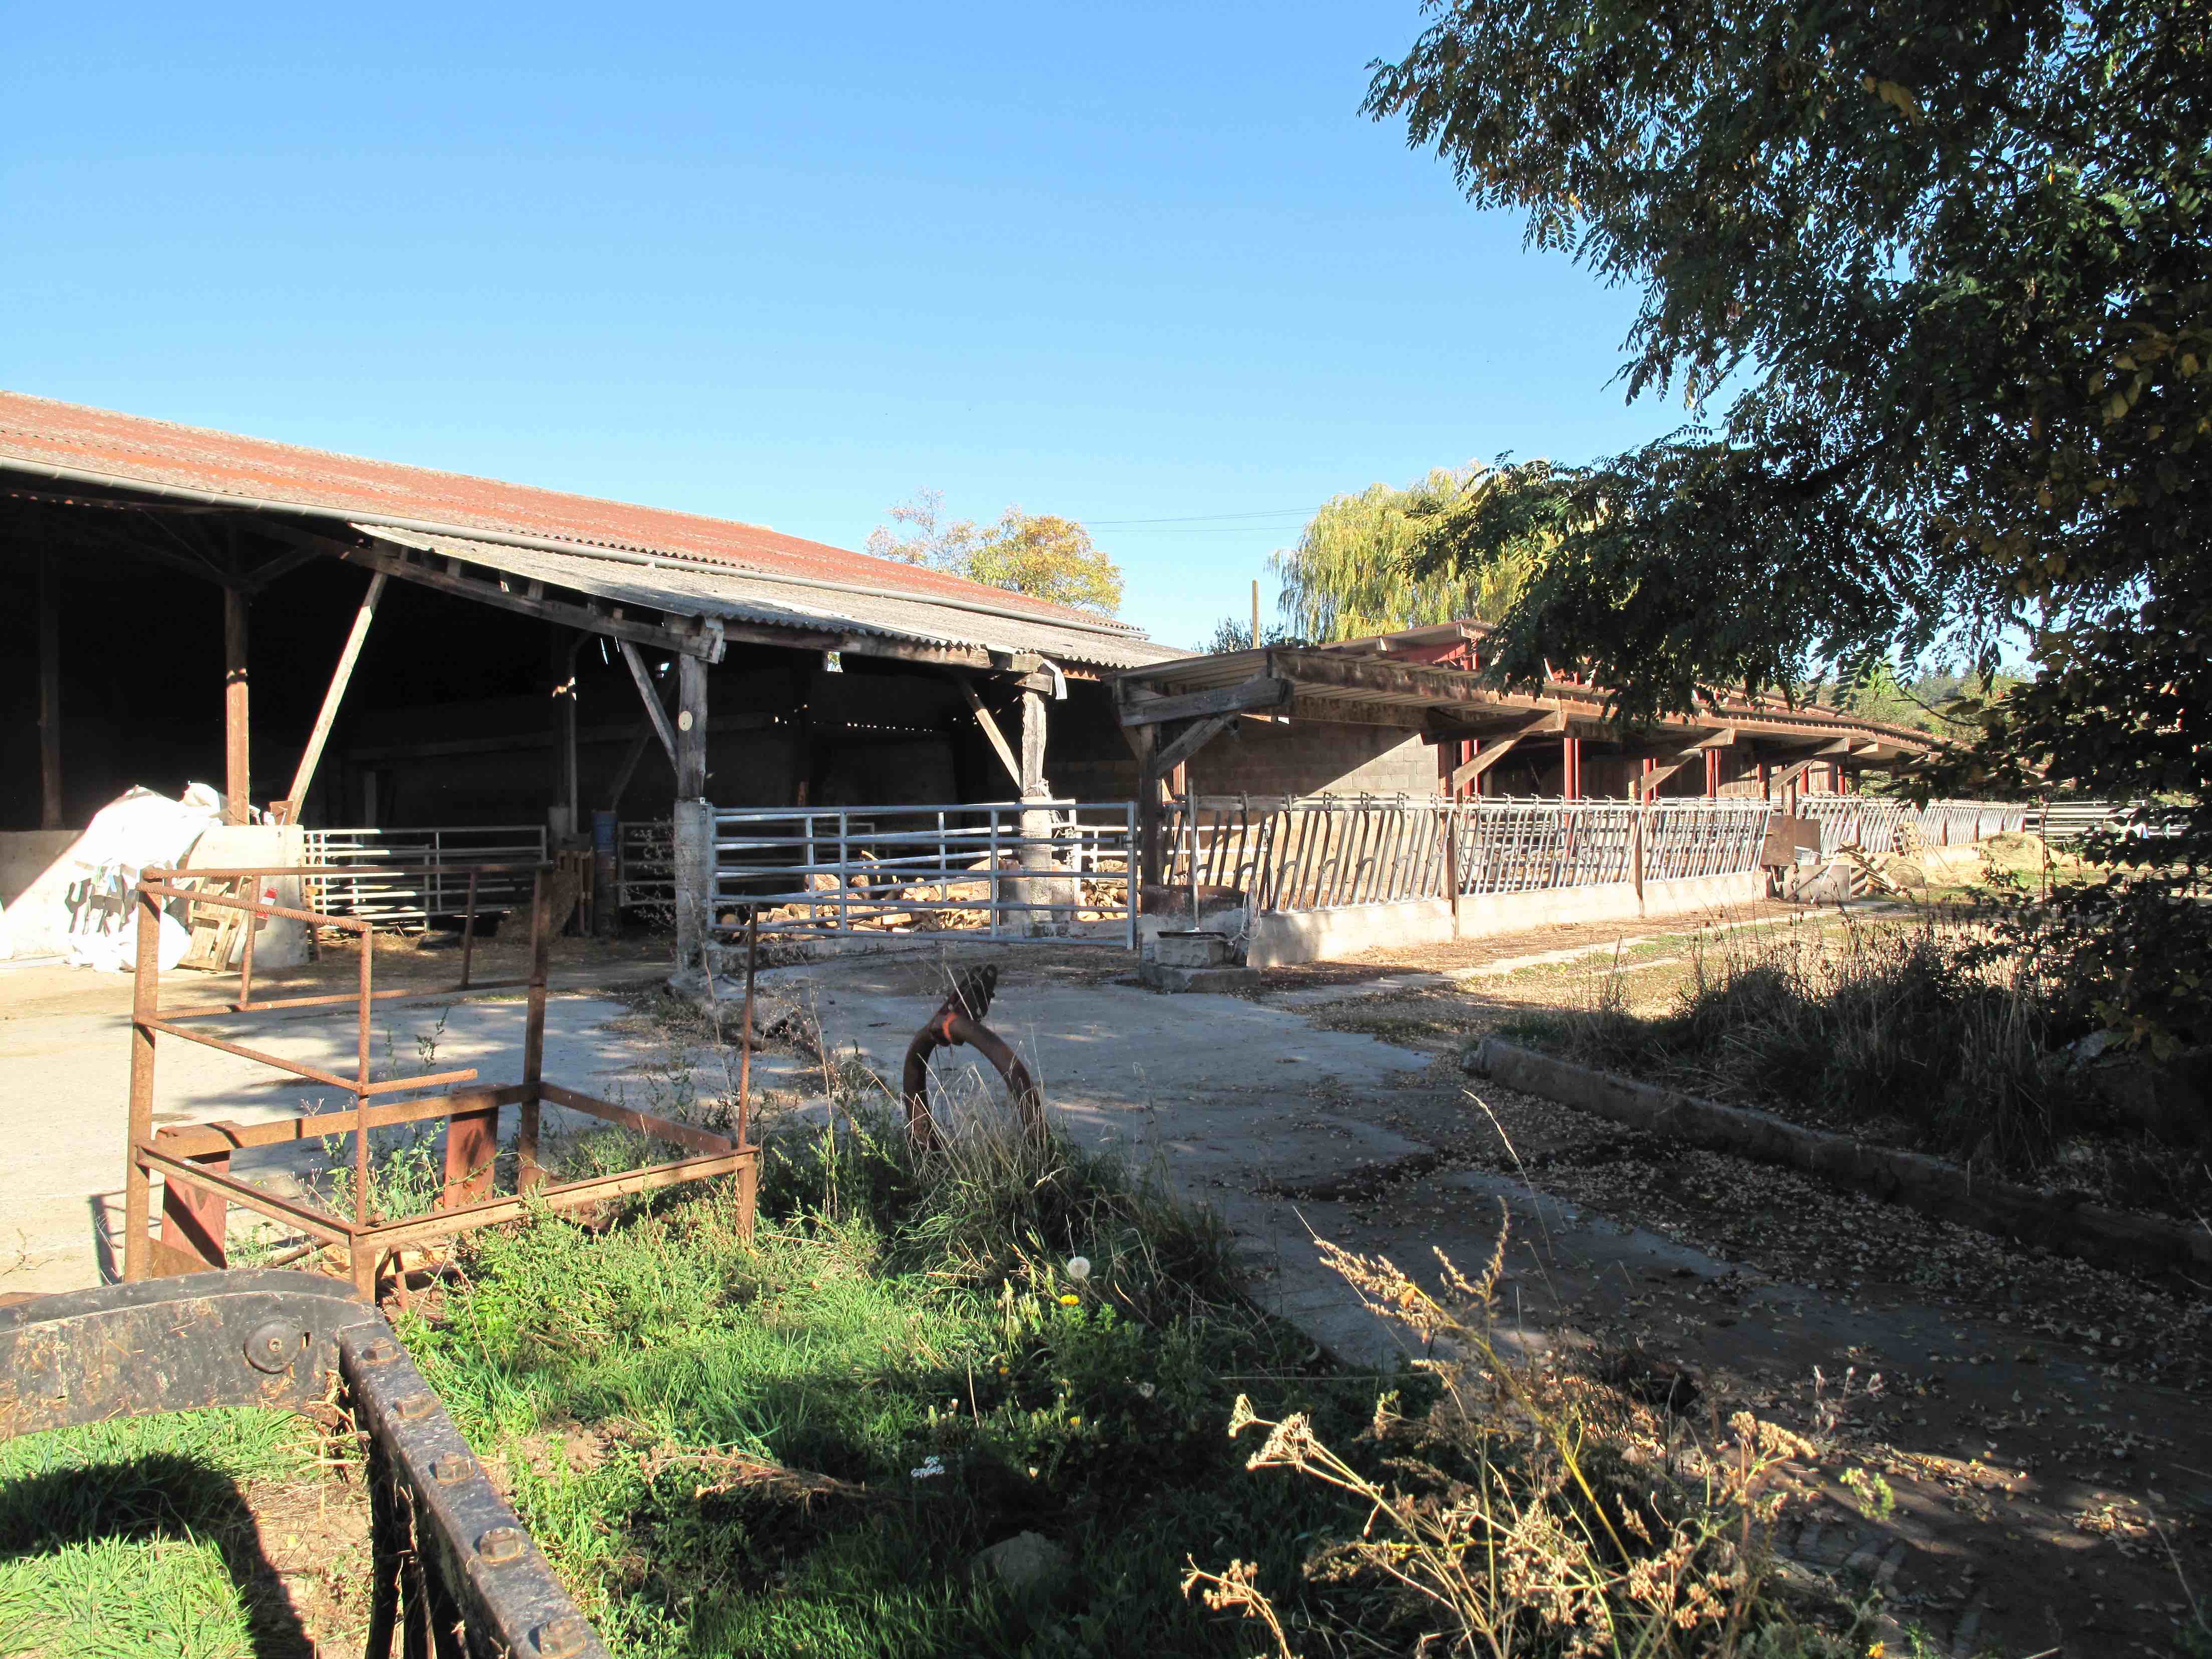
[80, 906]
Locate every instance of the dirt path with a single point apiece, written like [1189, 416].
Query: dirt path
[2039, 1425]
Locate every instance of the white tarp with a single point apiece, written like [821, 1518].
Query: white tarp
[80, 906]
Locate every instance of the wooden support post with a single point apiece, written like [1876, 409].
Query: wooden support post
[656, 715]
[1571, 768]
[50, 693]
[691, 729]
[304, 778]
[237, 748]
[1452, 860]
[1000, 747]
[560, 684]
[1144, 744]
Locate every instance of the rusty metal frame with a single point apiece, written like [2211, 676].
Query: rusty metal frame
[454, 1573]
[194, 1160]
[959, 1021]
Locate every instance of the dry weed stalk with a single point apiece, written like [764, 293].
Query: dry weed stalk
[1529, 1512]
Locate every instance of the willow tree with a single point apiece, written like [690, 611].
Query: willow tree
[1352, 571]
[1933, 278]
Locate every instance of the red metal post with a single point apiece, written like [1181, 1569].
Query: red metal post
[145, 1007]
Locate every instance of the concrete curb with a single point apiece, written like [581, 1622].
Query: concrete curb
[2058, 1221]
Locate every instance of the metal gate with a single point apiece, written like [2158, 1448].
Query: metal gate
[994, 871]
[409, 901]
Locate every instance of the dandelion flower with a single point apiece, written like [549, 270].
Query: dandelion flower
[1079, 1267]
[1145, 1390]
[1071, 1300]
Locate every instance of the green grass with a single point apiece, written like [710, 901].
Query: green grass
[886, 1316]
[133, 1539]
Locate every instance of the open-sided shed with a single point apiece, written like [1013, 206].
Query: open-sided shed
[352, 643]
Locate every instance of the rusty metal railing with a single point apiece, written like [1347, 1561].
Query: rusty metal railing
[193, 1160]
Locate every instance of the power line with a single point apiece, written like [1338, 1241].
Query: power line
[1205, 517]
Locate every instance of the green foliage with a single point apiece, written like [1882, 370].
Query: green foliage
[1349, 575]
[1951, 260]
[1954, 259]
[1230, 635]
[134, 1537]
[1034, 553]
[891, 1316]
[1862, 1026]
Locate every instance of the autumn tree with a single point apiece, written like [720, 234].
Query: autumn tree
[1039, 553]
[1932, 279]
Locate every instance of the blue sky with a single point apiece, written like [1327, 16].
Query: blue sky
[1123, 264]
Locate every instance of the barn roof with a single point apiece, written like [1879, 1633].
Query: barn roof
[683, 562]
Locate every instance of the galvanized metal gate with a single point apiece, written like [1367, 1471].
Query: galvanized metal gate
[992, 870]
[424, 889]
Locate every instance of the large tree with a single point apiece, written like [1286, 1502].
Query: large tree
[1039, 553]
[1944, 267]
[1349, 575]
[1932, 277]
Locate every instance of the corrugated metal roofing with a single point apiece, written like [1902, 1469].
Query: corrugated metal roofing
[735, 596]
[131, 449]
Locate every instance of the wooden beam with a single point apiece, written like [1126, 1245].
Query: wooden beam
[1193, 738]
[1647, 784]
[1484, 759]
[1265, 692]
[1507, 720]
[1436, 687]
[304, 777]
[999, 743]
[653, 711]
[696, 638]
[271, 570]
[50, 693]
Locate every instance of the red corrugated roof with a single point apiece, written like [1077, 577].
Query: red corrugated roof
[131, 447]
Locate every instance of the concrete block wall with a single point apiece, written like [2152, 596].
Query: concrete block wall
[1312, 757]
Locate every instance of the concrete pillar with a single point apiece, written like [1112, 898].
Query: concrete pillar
[694, 824]
[694, 836]
[1037, 824]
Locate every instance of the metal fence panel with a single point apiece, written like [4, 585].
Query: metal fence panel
[1329, 851]
[411, 901]
[990, 869]
[645, 864]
